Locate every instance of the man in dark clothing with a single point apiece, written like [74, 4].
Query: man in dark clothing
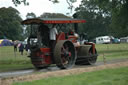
[27, 48]
[21, 48]
[15, 46]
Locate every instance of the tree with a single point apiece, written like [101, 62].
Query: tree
[119, 12]
[30, 15]
[116, 9]
[18, 2]
[97, 23]
[10, 23]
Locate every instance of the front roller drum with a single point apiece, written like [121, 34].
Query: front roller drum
[64, 54]
[86, 56]
[91, 60]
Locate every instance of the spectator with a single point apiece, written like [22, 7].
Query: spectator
[15, 46]
[27, 48]
[21, 48]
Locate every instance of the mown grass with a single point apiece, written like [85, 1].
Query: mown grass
[11, 67]
[10, 60]
[112, 51]
[118, 76]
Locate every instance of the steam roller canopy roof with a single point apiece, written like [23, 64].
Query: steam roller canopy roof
[52, 21]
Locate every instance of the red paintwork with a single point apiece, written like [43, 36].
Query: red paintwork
[70, 54]
[63, 21]
[47, 59]
[72, 38]
[61, 36]
[93, 46]
[52, 21]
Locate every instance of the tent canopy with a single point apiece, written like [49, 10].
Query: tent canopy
[5, 42]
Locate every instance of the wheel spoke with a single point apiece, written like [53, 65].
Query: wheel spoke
[64, 54]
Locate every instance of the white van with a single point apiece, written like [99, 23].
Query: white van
[103, 40]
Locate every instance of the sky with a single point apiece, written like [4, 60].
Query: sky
[40, 6]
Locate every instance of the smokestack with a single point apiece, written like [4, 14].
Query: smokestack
[75, 24]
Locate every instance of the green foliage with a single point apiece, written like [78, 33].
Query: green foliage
[115, 10]
[10, 23]
[118, 9]
[18, 2]
[30, 15]
[97, 22]
[112, 17]
[118, 76]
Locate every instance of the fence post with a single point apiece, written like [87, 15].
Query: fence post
[104, 59]
[107, 47]
[15, 54]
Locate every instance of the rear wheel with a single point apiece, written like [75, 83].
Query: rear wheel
[37, 59]
[64, 54]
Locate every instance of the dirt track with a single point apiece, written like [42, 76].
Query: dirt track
[9, 81]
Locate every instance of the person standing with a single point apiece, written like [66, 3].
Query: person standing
[15, 46]
[21, 48]
[27, 48]
[53, 33]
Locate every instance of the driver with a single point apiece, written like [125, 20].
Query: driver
[53, 33]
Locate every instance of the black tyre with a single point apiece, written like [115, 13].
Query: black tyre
[92, 58]
[64, 54]
[86, 56]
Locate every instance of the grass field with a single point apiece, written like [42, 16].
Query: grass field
[118, 76]
[112, 51]
[12, 61]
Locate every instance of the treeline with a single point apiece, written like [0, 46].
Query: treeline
[10, 23]
[10, 26]
[104, 17]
